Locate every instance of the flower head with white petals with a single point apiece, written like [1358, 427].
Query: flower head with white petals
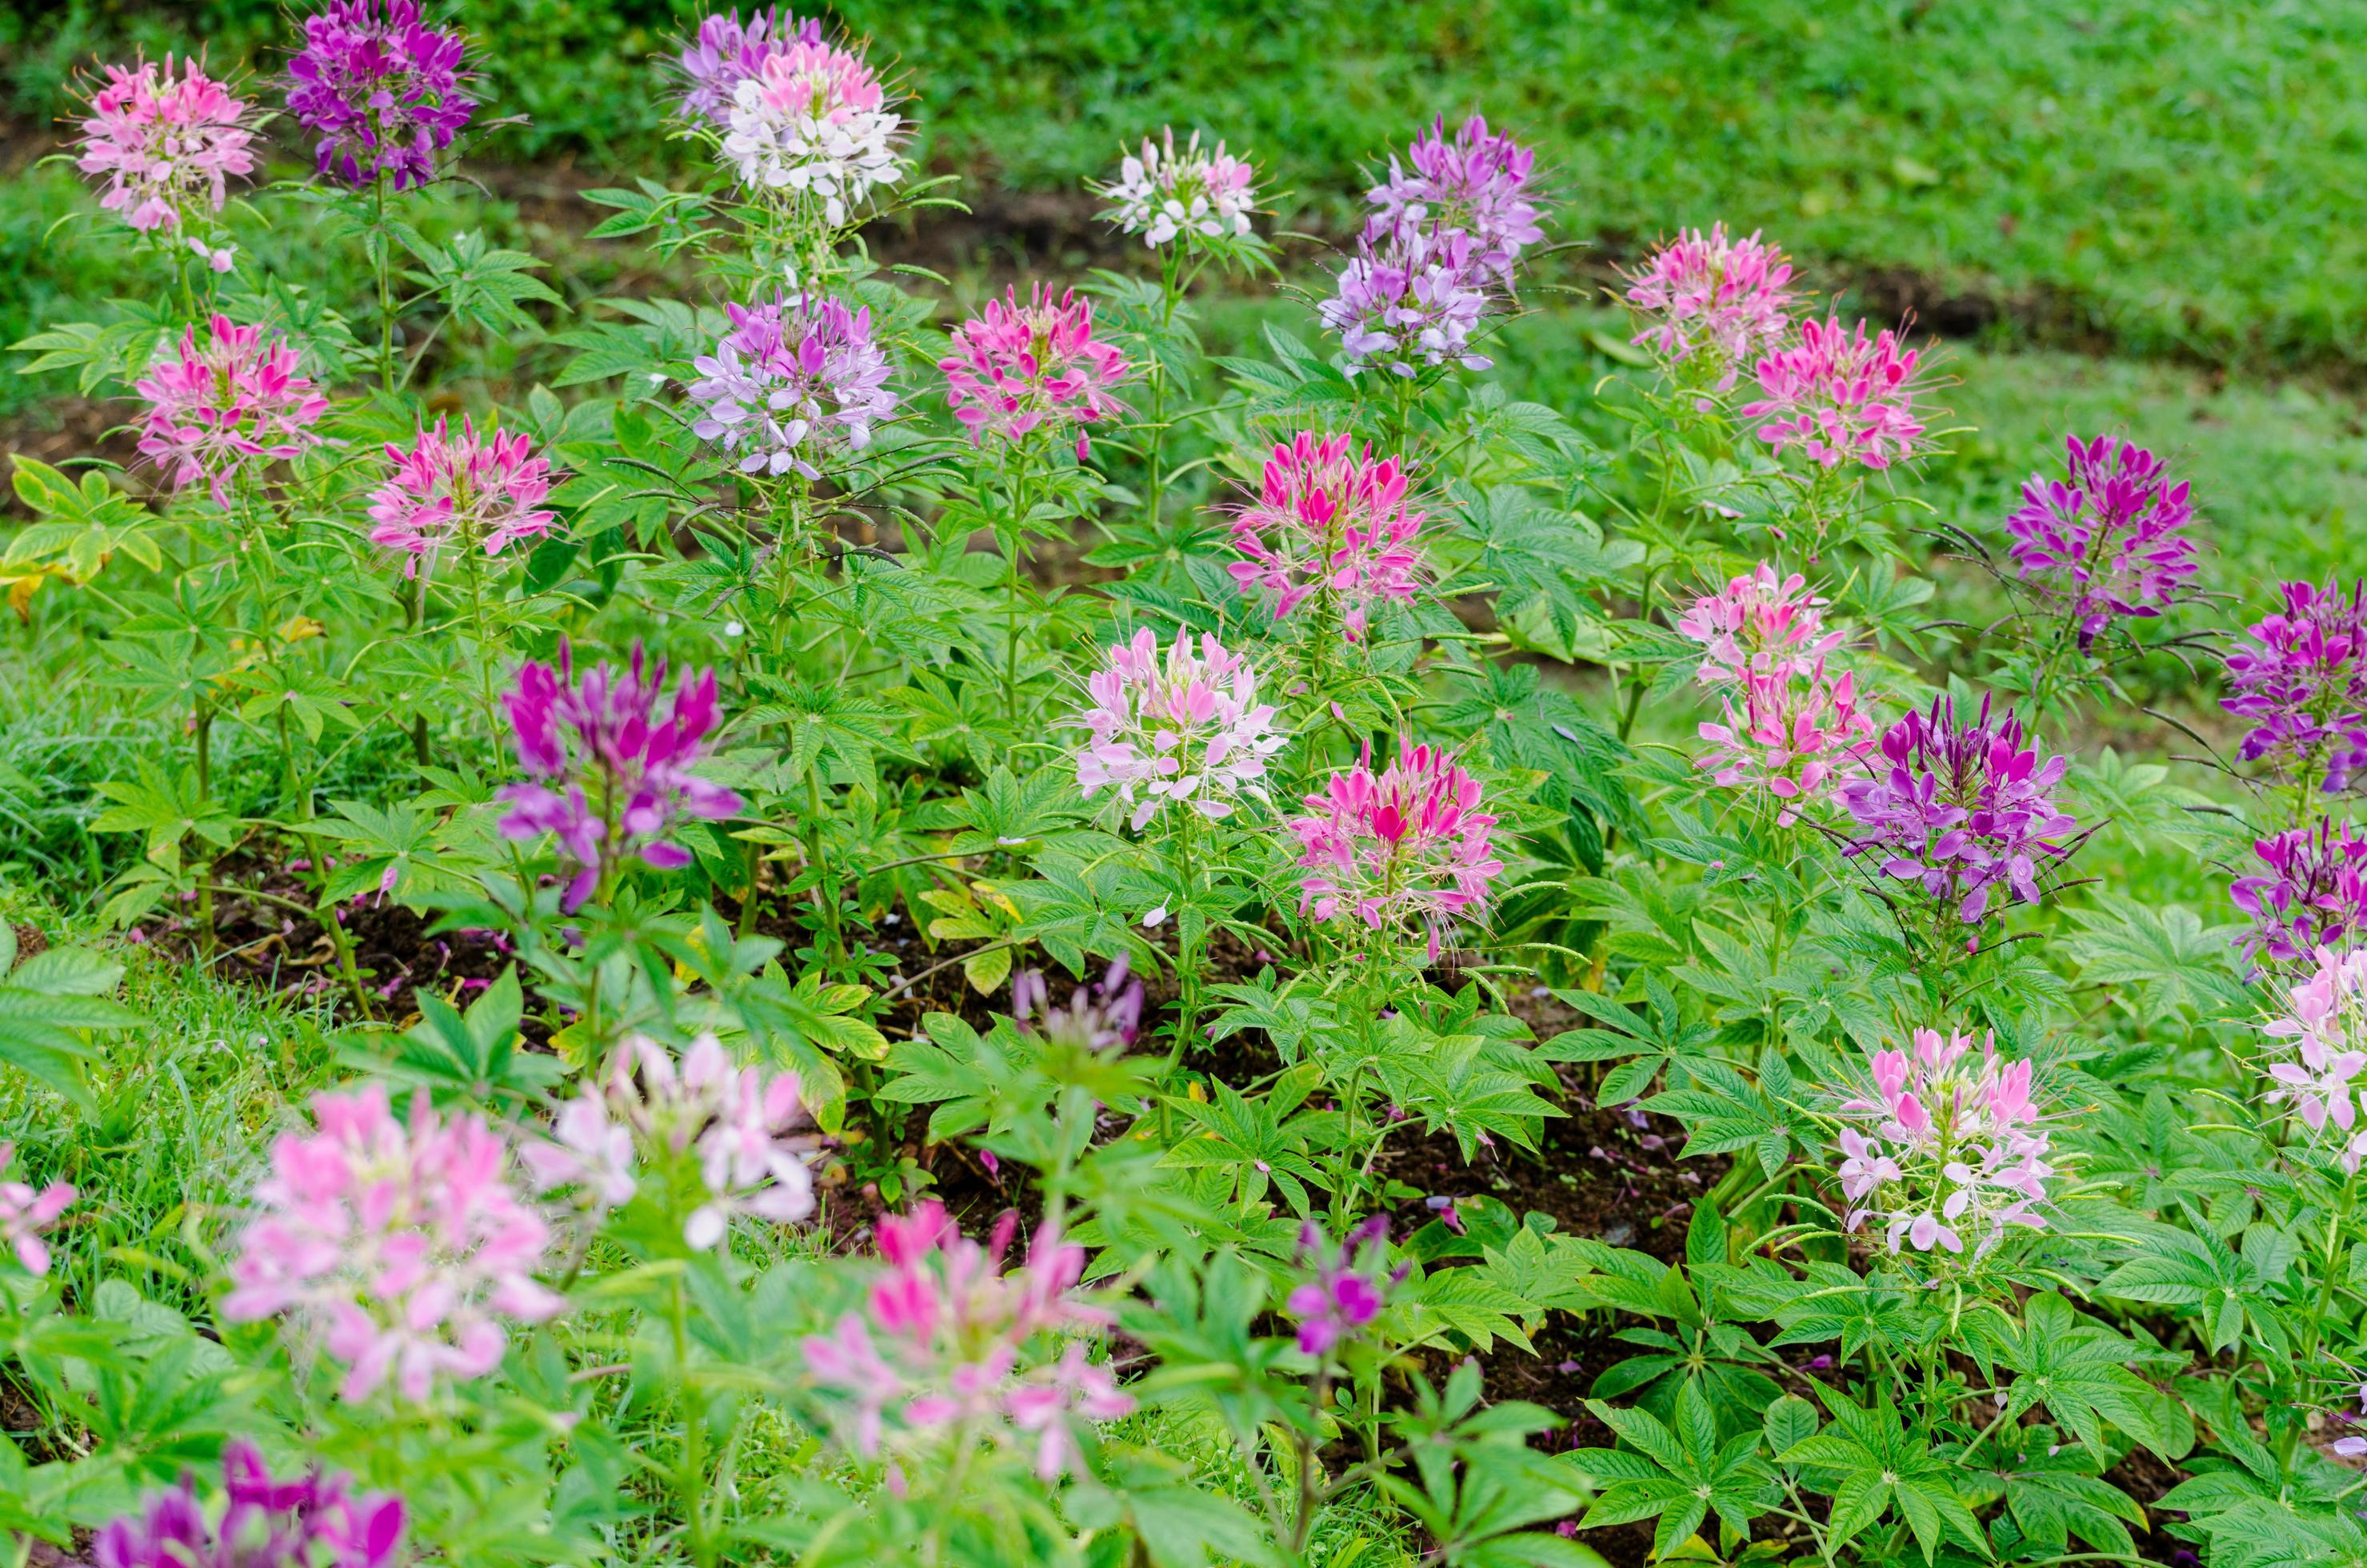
[1197, 197]
[2321, 1050]
[1186, 728]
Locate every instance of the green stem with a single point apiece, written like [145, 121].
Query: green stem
[384, 251]
[690, 1477]
[825, 891]
[1015, 550]
[202, 727]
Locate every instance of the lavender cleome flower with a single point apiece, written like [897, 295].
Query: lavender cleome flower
[1410, 294]
[1103, 1016]
[2315, 896]
[1475, 182]
[1347, 1290]
[2110, 539]
[383, 90]
[792, 383]
[2303, 682]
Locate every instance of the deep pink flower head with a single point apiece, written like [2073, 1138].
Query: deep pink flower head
[1187, 728]
[794, 383]
[24, 1214]
[1798, 736]
[1959, 808]
[1404, 846]
[2313, 896]
[1713, 301]
[1349, 1285]
[1758, 624]
[2301, 678]
[726, 51]
[1956, 1148]
[484, 493]
[227, 408]
[1473, 182]
[1104, 1016]
[384, 91]
[1840, 397]
[2324, 1024]
[1411, 296]
[316, 1521]
[1332, 523]
[165, 144]
[402, 1247]
[609, 776]
[1014, 367]
[2110, 539]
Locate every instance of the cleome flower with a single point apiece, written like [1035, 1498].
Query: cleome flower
[2324, 1026]
[1959, 808]
[726, 51]
[1758, 624]
[473, 492]
[1334, 524]
[1164, 195]
[314, 1521]
[2301, 679]
[2109, 539]
[226, 409]
[944, 1341]
[812, 121]
[1410, 296]
[1015, 367]
[1408, 846]
[608, 777]
[792, 385]
[1473, 182]
[1103, 1016]
[2315, 896]
[1840, 397]
[1948, 1149]
[1797, 736]
[166, 143]
[400, 1248]
[1347, 1287]
[25, 1215]
[384, 91]
[1713, 303]
[1186, 729]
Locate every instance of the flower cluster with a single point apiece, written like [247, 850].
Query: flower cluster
[1840, 397]
[1790, 727]
[1104, 1016]
[1406, 845]
[2313, 896]
[726, 51]
[1960, 809]
[2109, 539]
[165, 143]
[2325, 1027]
[24, 1214]
[2301, 679]
[1956, 1150]
[813, 121]
[623, 774]
[1016, 366]
[403, 1247]
[1473, 182]
[1163, 193]
[1333, 523]
[793, 384]
[941, 1341]
[1713, 301]
[482, 492]
[1347, 1288]
[1758, 624]
[1187, 728]
[316, 1521]
[384, 91]
[724, 1121]
[218, 411]
[1410, 294]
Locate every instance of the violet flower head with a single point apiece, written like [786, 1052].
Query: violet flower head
[402, 1248]
[1758, 624]
[609, 776]
[1015, 367]
[1332, 524]
[1840, 397]
[2301, 679]
[1186, 729]
[793, 385]
[1948, 1148]
[471, 492]
[1963, 810]
[812, 126]
[26, 1214]
[385, 92]
[2109, 539]
[1410, 296]
[316, 1521]
[1165, 195]
[726, 51]
[228, 407]
[1103, 1016]
[167, 145]
[1475, 182]
[1350, 1284]
[2313, 896]
[1711, 303]
[2324, 1027]
[1406, 846]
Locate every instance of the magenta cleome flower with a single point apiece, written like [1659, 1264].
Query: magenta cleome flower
[1960, 809]
[1104, 1016]
[1712, 301]
[622, 775]
[473, 492]
[2324, 1024]
[1411, 297]
[384, 91]
[2301, 679]
[25, 1215]
[812, 121]
[1332, 524]
[1348, 1287]
[1840, 397]
[223, 411]
[1404, 846]
[1186, 729]
[726, 51]
[403, 1249]
[1164, 195]
[314, 1522]
[1759, 625]
[1475, 182]
[1955, 1149]
[167, 145]
[2109, 540]
[795, 384]
[1015, 367]
[2315, 896]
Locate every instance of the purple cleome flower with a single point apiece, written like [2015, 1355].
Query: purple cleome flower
[2315, 896]
[2303, 682]
[2111, 538]
[1475, 182]
[792, 383]
[1410, 294]
[726, 51]
[315, 1522]
[383, 90]
[1103, 1016]
[1348, 1289]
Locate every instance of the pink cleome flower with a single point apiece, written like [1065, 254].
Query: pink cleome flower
[1163, 193]
[402, 1246]
[1187, 729]
[1715, 300]
[814, 121]
[26, 1214]
[1955, 1146]
[165, 143]
[1332, 524]
[1347, 1288]
[1798, 736]
[2325, 1027]
[482, 493]
[223, 410]
[1016, 366]
[1758, 624]
[312, 1521]
[1840, 397]
[1408, 844]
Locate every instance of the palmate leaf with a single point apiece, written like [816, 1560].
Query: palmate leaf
[1723, 1111]
[472, 1058]
[1541, 560]
[2161, 960]
[1528, 724]
[1677, 1472]
[1884, 1469]
[1651, 1040]
[2186, 1269]
[49, 1005]
[2078, 1371]
[478, 283]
